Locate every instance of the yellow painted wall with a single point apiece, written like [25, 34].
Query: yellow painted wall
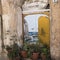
[44, 29]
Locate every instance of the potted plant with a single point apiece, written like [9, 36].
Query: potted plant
[13, 52]
[16, 50]
[35, 51]
[44, 52]
[24, 51]
[9, 50]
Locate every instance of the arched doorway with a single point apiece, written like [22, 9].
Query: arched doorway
[44, 29]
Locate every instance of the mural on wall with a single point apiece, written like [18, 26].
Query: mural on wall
[36, 28]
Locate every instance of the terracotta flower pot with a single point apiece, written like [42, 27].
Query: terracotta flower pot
[24, 54]
[43, 56]
[17, 58]
[35, 56]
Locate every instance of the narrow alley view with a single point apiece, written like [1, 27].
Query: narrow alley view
[29, 30]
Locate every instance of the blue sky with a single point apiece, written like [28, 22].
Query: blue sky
[32, 21]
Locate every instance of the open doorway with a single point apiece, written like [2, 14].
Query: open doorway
[37, 32]
[36, 25]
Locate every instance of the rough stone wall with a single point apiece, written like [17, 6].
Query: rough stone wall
[12, 17]
[55, 30]
[0, 35]
[0, 7]
[0, 27]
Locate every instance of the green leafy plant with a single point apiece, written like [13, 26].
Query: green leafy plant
[13, 51]
[35, 48]
[32, 48]
[9, 49]
[24, 47]
[45, 51]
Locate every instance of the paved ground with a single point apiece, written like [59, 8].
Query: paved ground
[3, 57]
